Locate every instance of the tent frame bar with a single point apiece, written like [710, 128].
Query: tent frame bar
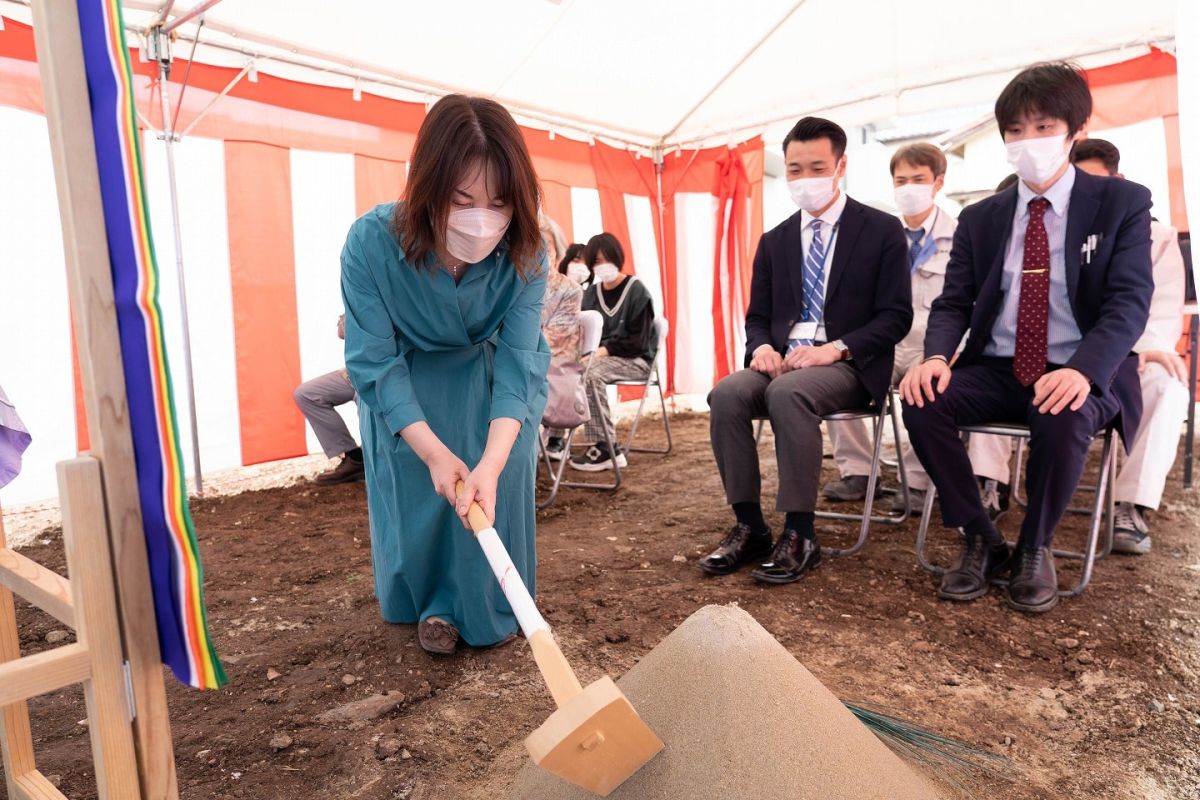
[186, 17]
[169, 138]
[643, 140]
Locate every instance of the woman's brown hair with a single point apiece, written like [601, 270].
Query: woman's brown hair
[458, 133]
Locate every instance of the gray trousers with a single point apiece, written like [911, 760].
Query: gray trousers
[795, 403]
[602, 372]
[317, 400]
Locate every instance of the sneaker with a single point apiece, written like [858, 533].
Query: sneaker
[851, 487]
[1131, 535]
[994, 495]
[597, 458]
[554, 448]
[916, 501]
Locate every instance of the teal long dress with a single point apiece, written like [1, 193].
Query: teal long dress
[420, 347]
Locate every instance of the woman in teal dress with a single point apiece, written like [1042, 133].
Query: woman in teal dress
[443, 296]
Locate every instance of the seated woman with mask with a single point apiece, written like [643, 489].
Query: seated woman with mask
[627, 345]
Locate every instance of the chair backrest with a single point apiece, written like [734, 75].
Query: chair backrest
[660, 329]
[591, 326]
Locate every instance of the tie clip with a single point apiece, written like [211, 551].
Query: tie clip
[1032, 271]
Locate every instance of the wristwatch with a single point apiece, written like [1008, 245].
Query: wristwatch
[840, 346]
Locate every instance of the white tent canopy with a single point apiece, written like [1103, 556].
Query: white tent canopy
[670, 72]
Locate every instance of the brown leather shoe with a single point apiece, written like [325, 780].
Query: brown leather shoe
[437, 636]
[978, 562]
[347, 471]
[1033, 586]
[740, 546]
[792, 559]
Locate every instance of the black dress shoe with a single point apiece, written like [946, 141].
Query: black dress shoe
[792, 559]
[1033, 586]
[347, 471]
[740, 546]
[977, 564]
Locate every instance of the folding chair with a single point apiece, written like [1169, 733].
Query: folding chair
[652, 380]
[891, 409]
[1101, 505]
[591, 325]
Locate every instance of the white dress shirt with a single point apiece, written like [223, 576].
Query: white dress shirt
[1063, 336]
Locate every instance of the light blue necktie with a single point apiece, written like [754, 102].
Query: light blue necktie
[814, 284]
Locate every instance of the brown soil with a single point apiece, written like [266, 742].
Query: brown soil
[1095, 699]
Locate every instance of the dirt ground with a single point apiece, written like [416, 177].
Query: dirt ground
[1097, 699]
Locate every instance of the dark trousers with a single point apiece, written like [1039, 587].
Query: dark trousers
[987, 391]
[795, 403]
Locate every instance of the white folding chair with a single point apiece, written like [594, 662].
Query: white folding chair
[591, 325]
[653, 380]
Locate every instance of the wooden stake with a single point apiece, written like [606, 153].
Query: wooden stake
[85, 537]
[64, 85]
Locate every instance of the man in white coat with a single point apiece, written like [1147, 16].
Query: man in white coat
[1142, 477]
[918, 174]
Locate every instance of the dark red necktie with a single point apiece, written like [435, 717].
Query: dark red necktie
[1033, 305]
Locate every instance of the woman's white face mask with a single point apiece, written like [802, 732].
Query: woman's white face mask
[605, 272]
[578, 272]
[1036, 160]
[473, 233]
[813, 194]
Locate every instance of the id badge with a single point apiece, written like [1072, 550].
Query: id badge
[803, 330]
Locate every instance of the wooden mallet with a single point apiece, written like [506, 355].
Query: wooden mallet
[595, 739]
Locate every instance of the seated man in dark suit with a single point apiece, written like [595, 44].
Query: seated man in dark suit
[829, 299]
[1052, 279]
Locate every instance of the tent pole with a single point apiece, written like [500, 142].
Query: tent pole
[659, 167]
[164, 71]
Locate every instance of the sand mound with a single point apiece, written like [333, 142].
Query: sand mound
[742, 719]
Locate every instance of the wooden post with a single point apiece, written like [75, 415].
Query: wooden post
[64, 86]
[16, 739]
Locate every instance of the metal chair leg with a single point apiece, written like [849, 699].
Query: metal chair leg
[923, 533]
[555, 474]
[1103, 497]
[662, 399]
[866, 518]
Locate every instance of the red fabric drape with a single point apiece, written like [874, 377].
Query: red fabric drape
[734, 177]
[376, 181]
[1139, 89]
[266, 333]
[731, 275]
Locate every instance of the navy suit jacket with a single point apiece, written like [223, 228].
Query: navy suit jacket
[868, 296]
[1110, 296]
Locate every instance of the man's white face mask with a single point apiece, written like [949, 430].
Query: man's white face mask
[1036, 160]
[813, 194]
[913, 198]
